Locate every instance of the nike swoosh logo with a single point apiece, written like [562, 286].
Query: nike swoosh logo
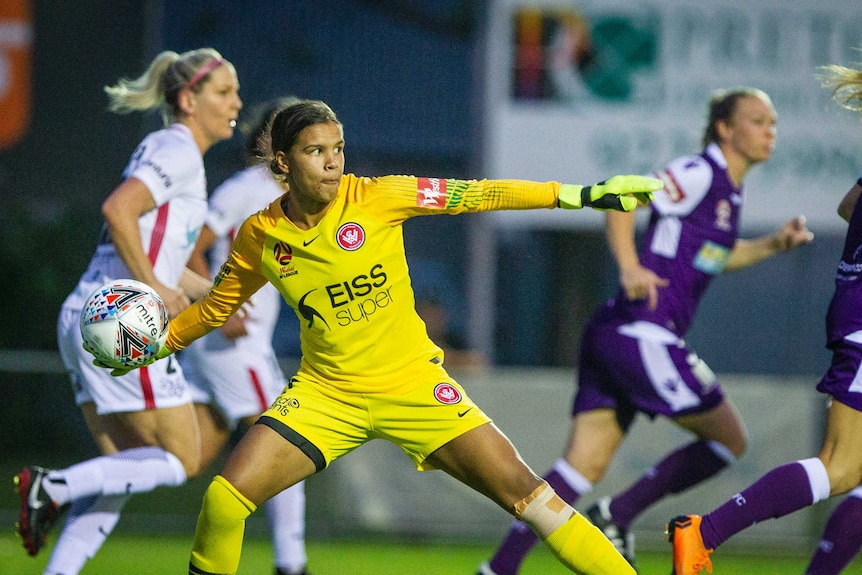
[305, 244]
[463, 413]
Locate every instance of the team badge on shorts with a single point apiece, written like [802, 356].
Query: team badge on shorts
[447, 393]
[350, 236]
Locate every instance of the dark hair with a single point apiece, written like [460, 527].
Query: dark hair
[255, 126]
[289, 122]
[723, 104]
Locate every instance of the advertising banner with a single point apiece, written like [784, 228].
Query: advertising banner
[580, 91]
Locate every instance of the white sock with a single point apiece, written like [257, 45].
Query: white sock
[286, 514]
[135, 470]
[90, 521]
[580, 484]
[817, 478]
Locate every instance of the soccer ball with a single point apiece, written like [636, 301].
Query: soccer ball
[124, 324]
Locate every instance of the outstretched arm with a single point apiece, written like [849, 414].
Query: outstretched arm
[619, 193]
[788, 237]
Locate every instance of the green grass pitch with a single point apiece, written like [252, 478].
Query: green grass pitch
[154, 555]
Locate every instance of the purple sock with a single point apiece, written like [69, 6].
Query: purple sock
[841, 540]
[681, 469]
[783, 490]
[520, 539]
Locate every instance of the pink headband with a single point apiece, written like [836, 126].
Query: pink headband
[204, 70]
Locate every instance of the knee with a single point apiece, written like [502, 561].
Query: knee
[738, 446]
[735, 442]
[592, 468]
[590, 459]
[842, 478]
[595, 473]
[188, 452]
[191, 463]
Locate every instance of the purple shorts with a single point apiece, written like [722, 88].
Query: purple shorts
[642, 367]
[843, 380]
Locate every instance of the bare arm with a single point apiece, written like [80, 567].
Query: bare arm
[198, 260]
[196, 280]
[194, 285]
[788, 237]
[637, 281]
[121, 210]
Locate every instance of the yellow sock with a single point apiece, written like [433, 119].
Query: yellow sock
[221, 525]
[581, 547]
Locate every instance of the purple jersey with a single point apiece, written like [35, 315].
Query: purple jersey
[843, 317]
[692, 229]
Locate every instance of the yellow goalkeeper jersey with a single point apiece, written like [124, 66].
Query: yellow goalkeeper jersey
[347, 278]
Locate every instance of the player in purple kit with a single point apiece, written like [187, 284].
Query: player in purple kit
[838, 467]
[633, 358]
[842, 537]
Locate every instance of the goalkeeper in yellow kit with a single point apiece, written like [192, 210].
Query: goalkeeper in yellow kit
[333, 247]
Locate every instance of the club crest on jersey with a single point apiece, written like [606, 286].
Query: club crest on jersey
[447, 393]
[431, 192]
[350, 236]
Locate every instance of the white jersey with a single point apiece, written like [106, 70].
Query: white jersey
[240, 376]
[171, 166]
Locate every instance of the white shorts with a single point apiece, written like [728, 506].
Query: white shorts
[238, 381]
[158, 385]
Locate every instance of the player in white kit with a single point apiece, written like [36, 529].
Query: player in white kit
[143, 423]
[233, 372]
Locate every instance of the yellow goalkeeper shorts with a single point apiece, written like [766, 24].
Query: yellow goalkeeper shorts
[327, 423]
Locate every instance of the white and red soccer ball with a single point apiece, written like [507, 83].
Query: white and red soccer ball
[124, 324]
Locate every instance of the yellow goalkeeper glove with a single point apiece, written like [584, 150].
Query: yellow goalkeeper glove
[118, 371]
[620, 193]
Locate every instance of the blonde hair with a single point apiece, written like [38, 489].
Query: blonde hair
[159, 87]
[846, 84]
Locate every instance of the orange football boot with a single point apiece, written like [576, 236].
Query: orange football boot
[690, 556]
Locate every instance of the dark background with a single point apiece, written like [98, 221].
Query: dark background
[400, 75]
